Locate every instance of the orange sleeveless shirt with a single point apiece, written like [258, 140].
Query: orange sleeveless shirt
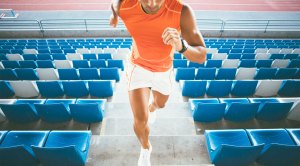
[148, 48]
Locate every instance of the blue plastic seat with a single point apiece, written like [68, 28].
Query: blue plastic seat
[68, 74]
[75, 88]
[6, 90]
[290, 88]
[89, 56]
[195, 65]
[27, 74]
[55, 110]
[218, 88]
[22, 111]
[285, 73]
[44, 57]
[248, 56]
[193, 88]
[231, 147]
[10, 64]
[180, 63]
[291, 56]
[295, 135]
[56, 51]
[249, 51]
[115, 63]
[185, 74]
[207, 110]
[28, 64]
[45, 64]
[239, 109]
[59, 56]
[205, 74]
[234, 56]
[279, 147]
[265, 73]
[8, 74]
[295, 63]
[100, 63]
[50, 89]
[32, 57]
[69, 50]
[213, 63]
[15, 150]
[276, 56]
[3, 57]
[80, 64]
[88, 110]
[247, 63]
[177, 56]
[89, 74]
[226, 73]
[109, 74]
[64, 148]
[101, 88]
[105, 56]
[271, 109]
[266, 63]
[243, 88]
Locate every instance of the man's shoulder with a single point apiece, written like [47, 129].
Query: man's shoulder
[175, 5]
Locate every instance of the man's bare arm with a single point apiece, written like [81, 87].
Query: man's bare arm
[115, 7]
[196, 51]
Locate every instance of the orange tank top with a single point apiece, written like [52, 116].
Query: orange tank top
[148, 48]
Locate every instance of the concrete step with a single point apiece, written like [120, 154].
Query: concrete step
[162, 127]
[167, 150]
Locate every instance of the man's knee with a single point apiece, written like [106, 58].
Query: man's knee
[140, 122]
[160, 104]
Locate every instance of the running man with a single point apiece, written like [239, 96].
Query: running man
[158, 29]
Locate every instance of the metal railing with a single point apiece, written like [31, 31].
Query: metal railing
[103, 24]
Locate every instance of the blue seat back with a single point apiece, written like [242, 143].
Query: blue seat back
[206, 74]
[27, 74]
[219, 88]
[75, 88]
[68, 74]
[50, 89]
[193, 88]
[8, 74]
[243, 88]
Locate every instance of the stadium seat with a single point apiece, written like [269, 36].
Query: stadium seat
[291, 56]
[44, 64]
[219, 56]
[89, 56]
[43, 57]
[54, 110]
[245, 73]
[96, 50]
[295, 63]
[6, 90]
[195, 65]
[50, 89]
[243, 88]
[14, 57]
[225, 74]
[279, 148]
[295, 135]
[280, 63]
[28, 64]
[75, 89]
[271, 109]
[59, 57]
[265, 73]
[184, 74]
[264, 63]
[10, 64]
[100, 63]
[24, 89]
[72, 57]
[262, 56]
[68, 74]
[180, 63]
[230, 63]
[88, 110]
[30, 51]
[286, 73]
[290, 88]
[80, 64]
[234, 56]
[89, 74]
[249, 63]
[101, 88]
[47, 74]
[105, 56]
[27, 74]
[239, 109]
[15, 150]
[109, 74]
[22, 111]
[207, 110]
[218, 88]
[213, 63]
[248, 56]
[205, 74]
[193, 88]
[59, 149]
[8, 74]
[115, 63]
[268, 88]
[231, 147]
[63, 64]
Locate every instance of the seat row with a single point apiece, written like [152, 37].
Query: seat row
[272, 147]
[256, 49]
[258, 56]
[47, 148]
[56, 56]
[236, 73]
[239, 109]
[58, 64]
[52, 89]
[236, 63]
[53, 110]
[60, 74]
[240, 88]
[70, 40]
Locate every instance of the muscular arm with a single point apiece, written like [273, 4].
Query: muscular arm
[115, 7]
[196, 51]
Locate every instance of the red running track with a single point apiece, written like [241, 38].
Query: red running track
[221, 5]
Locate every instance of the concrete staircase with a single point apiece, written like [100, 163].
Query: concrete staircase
[173, 136]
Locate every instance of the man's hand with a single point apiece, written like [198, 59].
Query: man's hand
[113, 21]
[171, 37]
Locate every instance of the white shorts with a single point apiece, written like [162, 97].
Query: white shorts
[138, 77]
